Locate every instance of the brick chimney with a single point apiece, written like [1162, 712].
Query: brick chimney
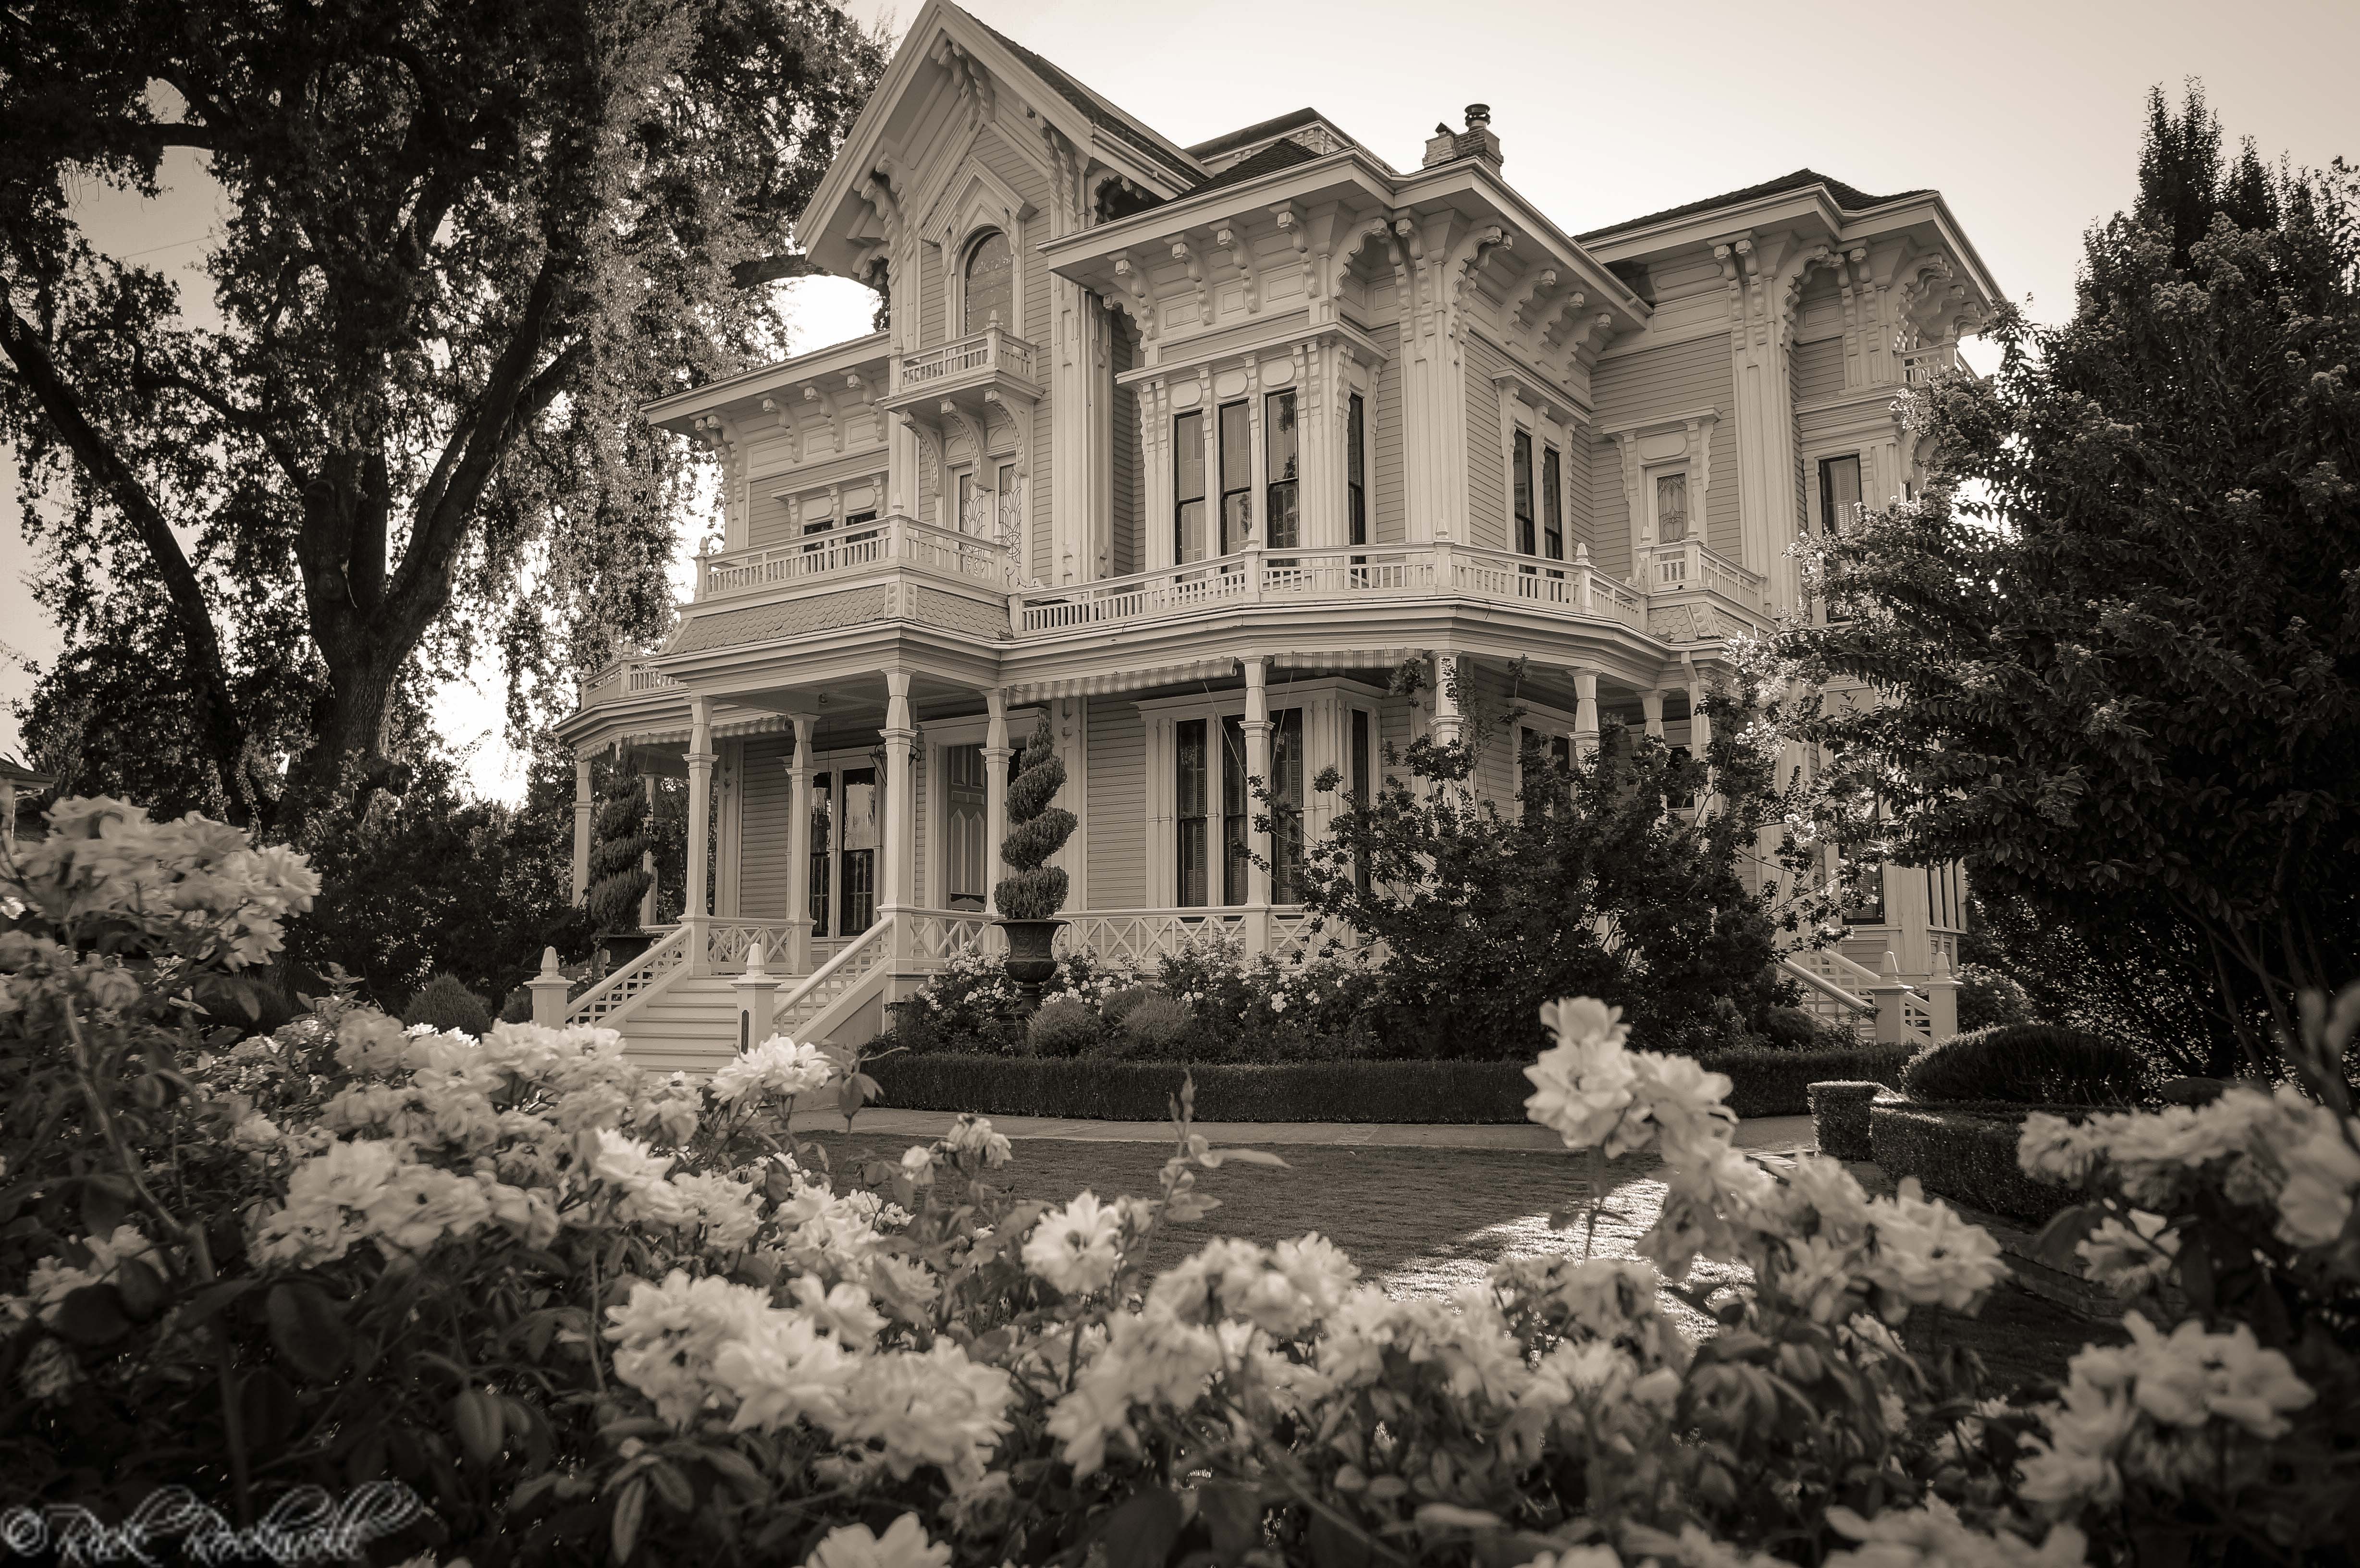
[1475, 141]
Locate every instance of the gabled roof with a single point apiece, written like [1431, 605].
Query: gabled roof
[1846, 197]
[1254, 133]
[1280, 154]
[1102, 109]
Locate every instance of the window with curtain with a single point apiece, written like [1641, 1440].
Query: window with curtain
[1356, 471]
[1237, 476]
[1188, 487]
[1281, 502]
[1838, 492]
[1236, 808]
[988, 283]
[1552, 504]
[1286, 790]
[822, 848]
[855, 905]
[1522, 465]
[1190, 800]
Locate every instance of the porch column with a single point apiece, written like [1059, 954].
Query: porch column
[996, 756]
[1699, 734]
[1445, 727]
[901, 835]
[1257, 733]
[647, 857]
[582, 811]
[799, 833]
[1584, 714]
[1651, 704]
[700, 824]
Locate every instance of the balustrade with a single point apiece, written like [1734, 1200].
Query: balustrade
[846, 552]
[946, 364]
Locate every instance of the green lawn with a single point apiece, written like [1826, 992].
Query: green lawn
[1422, 1222]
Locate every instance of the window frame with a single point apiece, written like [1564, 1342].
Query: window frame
[1291, 486]
[1655, 477]
[1828, 502]
[1552, 501]
[1356, 469]
[1244, 489]
[1182, 445]
[975, 241]
[1522, 515]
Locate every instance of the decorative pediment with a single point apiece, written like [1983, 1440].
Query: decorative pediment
[975, 198]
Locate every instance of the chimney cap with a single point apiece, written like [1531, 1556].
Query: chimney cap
[1478, 115]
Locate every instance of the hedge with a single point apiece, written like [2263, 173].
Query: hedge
[1839, 1116]
[1766, 1083]
[1968, 1156]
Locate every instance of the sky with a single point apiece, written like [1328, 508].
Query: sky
[2025, 115]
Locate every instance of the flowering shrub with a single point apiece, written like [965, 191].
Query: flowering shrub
[596, 1315]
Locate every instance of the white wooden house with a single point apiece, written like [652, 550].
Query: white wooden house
[1187, 448]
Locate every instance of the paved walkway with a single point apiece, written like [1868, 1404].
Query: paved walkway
[1762, 1132]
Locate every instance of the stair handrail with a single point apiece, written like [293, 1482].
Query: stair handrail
[825, 973]
[627, 984]
[1829, 988]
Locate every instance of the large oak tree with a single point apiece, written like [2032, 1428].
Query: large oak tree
[461, 242]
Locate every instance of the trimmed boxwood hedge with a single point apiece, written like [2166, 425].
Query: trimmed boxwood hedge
[1968, 1156]
[1766, 1083]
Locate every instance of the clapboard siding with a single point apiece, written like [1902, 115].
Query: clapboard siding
[765, 825]
[1116, 841]
[1582, 507]
[1819, 369]
[1486, 485]
[1653, 383]
[1384, 438]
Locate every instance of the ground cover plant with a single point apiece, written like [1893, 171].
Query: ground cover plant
[593, 1315]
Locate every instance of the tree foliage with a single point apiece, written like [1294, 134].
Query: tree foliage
[2117, 646]
[461, 245]
[619, 840]
[1597, 880]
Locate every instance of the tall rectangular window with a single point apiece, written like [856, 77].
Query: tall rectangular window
[1286, 809]
[1235, 808]
[1671, 507]
[855, 904]
[822, 848]
[1522, 467]
[1237, 476]
[965, 853]
[1281, 502]
[1188, 487]
[1363, 759]
[966, 521]
[1355, 472]
[1838, 492]
[1552, 504]
[1190, 797]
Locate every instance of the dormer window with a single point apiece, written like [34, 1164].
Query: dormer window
[988, 283]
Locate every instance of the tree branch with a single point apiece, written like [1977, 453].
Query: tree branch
[771, 268]
[217, 718]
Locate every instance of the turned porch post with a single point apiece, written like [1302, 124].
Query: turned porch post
[1584, 714]
[1445, 727]
[1257, 737]
[647, 857]
[1651, 704]
[700, 824]
[799, 836]
[996, 755]
[900, 738]
[582, 814]
[1699, 734]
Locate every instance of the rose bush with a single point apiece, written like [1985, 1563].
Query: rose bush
[593, 1315]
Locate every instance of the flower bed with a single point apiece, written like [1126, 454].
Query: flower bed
[1967, 1154]
[1765, 1084]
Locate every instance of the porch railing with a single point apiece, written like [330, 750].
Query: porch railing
[1686, 563]
[847, 552]
[990, 349]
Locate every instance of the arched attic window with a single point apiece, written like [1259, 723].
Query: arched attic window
[988, 283]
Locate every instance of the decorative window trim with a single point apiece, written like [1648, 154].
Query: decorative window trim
[1649, 447]
[983, 201]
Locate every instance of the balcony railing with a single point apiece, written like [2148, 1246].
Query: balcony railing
[1921, 366]
[1363, 574]
[622, 678]
[1687, 564]
[989, 350]
[848, 552]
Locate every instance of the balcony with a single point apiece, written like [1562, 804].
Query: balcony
[621, 680]
[822, 560]
[964, 371]
[1363, 576]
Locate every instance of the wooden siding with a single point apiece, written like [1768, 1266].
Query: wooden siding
[764, 826]
[1487, 482]
[1581, 507]
[1115, 839]
[1652, 384]
[1387, 504]
[1819, 369]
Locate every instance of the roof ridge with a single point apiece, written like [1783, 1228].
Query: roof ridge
[1849, 198]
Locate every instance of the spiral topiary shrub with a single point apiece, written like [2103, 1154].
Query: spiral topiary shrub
[2027, 1065]
[619, 843]
[445, 1002]
[1035, 890]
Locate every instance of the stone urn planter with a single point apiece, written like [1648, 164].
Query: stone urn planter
[1032, 955]
[620, 948]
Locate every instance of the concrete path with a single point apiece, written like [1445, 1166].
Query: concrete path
[1783, 1133]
